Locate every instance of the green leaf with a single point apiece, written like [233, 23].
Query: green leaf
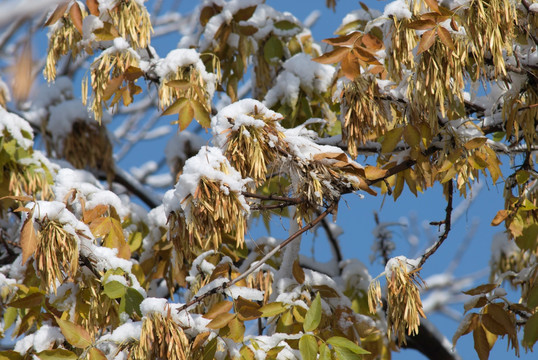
[75, 334]
[324, 352]
[10, 315]
[346, 354]
[308, 346]
[528, 240]
[114, 289]
[130, 303]
[272, 309]
[273, 50]
[338, 341]
[313, 315]
[532, 297]
[285, 25]
[57, 354]
[10, 355]
[530, 333]
[210, 349]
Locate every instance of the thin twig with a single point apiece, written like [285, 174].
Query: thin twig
[272, 197]
[255, 266]
[447, 224]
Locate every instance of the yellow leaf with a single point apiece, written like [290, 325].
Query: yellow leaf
[75, 334]
[220, 321]
[373, 173]
[29, 238]
[185, 116]
[499, 217]
[200, 114]
[426, 41]
[57, 14]
[176, 106]
[391, 139]
[96, 354]
[475, 143]
[179, 84]
[237, 330]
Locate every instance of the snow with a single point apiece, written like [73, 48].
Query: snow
[395, 263]
[534, 7]
[104, 258]
[118, 278]
[124, 333]
[180, 145]
[300, 72]
[41, 340]
[245, 292]
[62, 117]
[360, 14]
[17, 127]
[398, 9]
[89, 24]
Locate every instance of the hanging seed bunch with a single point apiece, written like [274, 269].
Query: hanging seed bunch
[490, 24]
[521, 112]
[161, 338]
[263, 281]
[404, 307]
[183, 75]
[212, 208]
[88, 145]
[132, 21]
[56, 247]
[319, 173]
[507, 258]
[250, 137]
[400, 53]
[364, 114]
[22, 172]
[439, 81]
[65, 35]
[108, 71]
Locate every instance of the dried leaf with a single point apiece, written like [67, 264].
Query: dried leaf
[176, 107]
[200, 114]
[372, 42]
[57, 14]
[530, 333]
[391, 139]
[426, 41]
[112, 86]
[492, 325]
[445, 37]
[481, 289]
[93, 6]
[332, 57]
[500, 217]
[298, 272]
[76, 16]
[29, 238]
[345, 40]
[426, 24]
[185, 116]
[22, 73]
[433, 5]
[179, 84]
[481, 344]
[29, 301]
[502, 317]
[351, 66]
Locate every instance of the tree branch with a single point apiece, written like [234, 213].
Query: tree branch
[257, 265]
[447, 224]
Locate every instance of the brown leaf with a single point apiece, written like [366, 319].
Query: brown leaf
[221, 270]
[200, 339]
[454, 25]
[93, 6]
[29, 238]
[421, 24]
[499, 217]
[345, 40]
[76, 16]
[298, 272]
[477, 302]
[179, 84]
[112, 86]
[245, 13]
[333, 56]
[350, 66]
[426, 41]
[492, 325]
[372, 42]
[481, 344]
[57, 14]
[433, 5]
[446, 38]
[29, 301]
[22, 73]
[481, 289]
[207, 13]
[502, 317]
[218, 309]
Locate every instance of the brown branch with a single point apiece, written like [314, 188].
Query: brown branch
[292, 201]
[254, 267]
[446, 222]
